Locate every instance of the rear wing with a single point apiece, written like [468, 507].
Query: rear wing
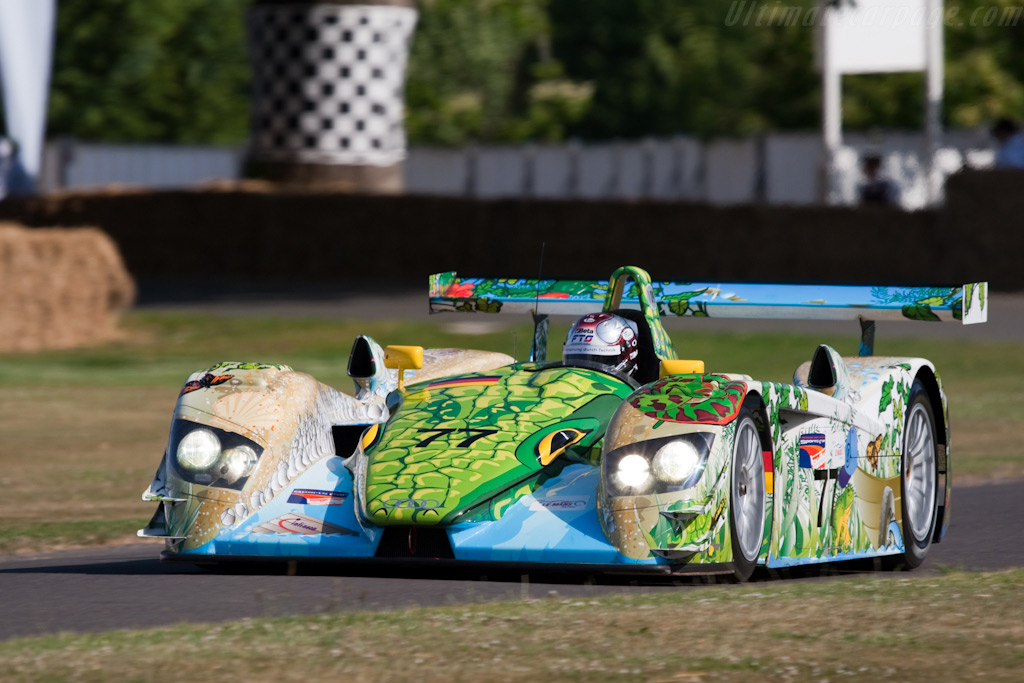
[631, 287]
[967, 303]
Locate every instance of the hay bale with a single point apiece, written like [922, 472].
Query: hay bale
[59, 288]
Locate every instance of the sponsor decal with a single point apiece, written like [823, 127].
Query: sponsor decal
[314, 497]
[297, 523]
[559, 504]
[812, 451]
[411, 504]
[595, 348]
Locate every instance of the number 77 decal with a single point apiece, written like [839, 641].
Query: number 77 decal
[474, 435]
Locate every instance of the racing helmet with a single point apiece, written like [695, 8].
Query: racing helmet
[603, 338]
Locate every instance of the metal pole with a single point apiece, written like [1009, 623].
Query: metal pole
[832, 105]
[934, 76]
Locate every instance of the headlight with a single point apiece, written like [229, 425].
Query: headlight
[198, 450]
[633, 473]
[660, 465]
[236, 463]
[212, 457]
[676, 461]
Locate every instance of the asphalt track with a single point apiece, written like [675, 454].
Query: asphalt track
[128, 587]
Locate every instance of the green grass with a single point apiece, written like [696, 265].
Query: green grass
[952, 626]
[82, 431]
[161, 349]
[16, 536]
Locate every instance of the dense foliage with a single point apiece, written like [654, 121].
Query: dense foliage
[484, 71]
[159, 70]
[510, 70]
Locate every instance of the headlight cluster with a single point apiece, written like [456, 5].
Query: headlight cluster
[212, 457]
[657, 466]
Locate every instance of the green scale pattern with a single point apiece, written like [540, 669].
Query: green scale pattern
[452, 447]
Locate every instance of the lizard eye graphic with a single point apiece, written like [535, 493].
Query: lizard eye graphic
[555, 443]
[370, 436]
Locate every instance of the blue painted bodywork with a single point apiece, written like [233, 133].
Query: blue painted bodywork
[555, 524]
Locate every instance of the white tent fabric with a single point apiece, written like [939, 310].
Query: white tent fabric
[26, 49]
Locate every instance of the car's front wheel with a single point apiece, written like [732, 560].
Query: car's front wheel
[746, 497]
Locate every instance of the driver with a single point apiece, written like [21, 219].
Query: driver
[603, 338]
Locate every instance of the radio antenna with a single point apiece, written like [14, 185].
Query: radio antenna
[540, 272]
[539, 347]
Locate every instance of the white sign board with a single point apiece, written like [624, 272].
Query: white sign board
[880, 36]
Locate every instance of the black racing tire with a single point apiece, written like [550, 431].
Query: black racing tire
[746, 496]
[919, 480]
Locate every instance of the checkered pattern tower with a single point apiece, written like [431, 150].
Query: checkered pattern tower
[328, 91]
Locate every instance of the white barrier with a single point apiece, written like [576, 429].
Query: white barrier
[784, 168]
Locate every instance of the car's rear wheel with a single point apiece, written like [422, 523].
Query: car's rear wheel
[746, 497]
[918, 480]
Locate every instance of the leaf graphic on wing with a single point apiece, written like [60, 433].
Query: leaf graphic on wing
[488, 305]
[679, 307]
[919, 312]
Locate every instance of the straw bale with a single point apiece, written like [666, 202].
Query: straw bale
[59, 287]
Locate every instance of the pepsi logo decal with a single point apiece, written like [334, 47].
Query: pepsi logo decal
[812, 451]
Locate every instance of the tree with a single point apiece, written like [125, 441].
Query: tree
[513, 70]
[984, 65]
[154, 71]
[665, 66]
[483, 70]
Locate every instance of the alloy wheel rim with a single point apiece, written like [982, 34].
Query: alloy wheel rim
[919, 472]
[748, 491]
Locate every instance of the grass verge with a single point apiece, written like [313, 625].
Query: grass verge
[16, 537]
[81, 432]
[952, 626]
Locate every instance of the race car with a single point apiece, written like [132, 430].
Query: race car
[625, 460]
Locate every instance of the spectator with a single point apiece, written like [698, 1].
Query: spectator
[6, 161]
[1011, 144]
[876, 189]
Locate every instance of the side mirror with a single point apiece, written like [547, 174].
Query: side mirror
[361, 363]
[366, 366]
[681, 367]
[403, 358]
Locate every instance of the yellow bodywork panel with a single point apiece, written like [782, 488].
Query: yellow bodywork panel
[403, 358]
[680, 367]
